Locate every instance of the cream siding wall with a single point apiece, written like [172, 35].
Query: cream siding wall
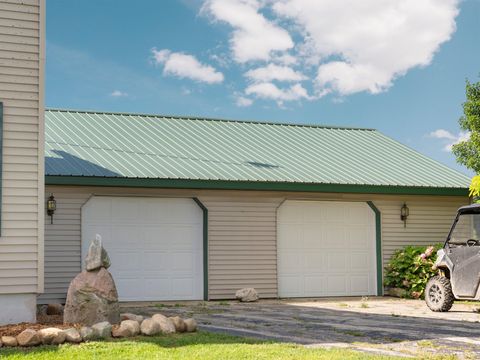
[428, 223]
[21, 91]
[241, 230]
[242, 245]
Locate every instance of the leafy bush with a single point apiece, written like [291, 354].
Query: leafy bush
[410, 268]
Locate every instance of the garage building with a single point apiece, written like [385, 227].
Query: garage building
[194, 208]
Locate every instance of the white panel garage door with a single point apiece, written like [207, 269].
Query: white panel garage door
[326, 249]
[155, 245]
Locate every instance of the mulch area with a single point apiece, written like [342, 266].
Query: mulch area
[43, 321]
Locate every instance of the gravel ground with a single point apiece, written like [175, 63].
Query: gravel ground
[379, 325]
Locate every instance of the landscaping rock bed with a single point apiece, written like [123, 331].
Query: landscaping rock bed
[91, 312]
[50, 330]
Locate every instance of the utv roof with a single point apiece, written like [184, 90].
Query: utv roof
[469, 209]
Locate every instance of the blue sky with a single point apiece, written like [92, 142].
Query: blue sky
[399, 69]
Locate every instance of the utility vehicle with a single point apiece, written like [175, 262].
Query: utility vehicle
[458, 263]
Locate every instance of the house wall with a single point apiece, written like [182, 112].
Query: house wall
[21, 91]
[241, 232]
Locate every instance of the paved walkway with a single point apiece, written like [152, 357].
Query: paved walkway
[384, 325]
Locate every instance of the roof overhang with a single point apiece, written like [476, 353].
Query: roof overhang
[250, 185]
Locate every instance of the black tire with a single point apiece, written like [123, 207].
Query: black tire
[438, 294]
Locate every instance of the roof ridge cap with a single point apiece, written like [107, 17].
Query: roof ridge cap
[201, 118]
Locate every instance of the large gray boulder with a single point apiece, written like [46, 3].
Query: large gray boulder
[97, 256]
[92, 298]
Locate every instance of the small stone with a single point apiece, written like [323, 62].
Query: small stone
[127, 328]
[247, 295]
[190, 325]
[28, 337]
[149, 327]
[120, 332]
[102, 329]
[9, 341]
[178, 323]
[97, 256]
[166, 325]
[132, 325]
[129, 316]
[87, 333]
[51, 336]
[54, 309]
[72, 335]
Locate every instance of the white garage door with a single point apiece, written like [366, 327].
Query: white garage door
[155, 245]
[326, 249]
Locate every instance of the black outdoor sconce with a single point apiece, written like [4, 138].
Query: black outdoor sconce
[404, 212]
[51, 207]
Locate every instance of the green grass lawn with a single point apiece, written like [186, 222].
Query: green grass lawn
[201, 345]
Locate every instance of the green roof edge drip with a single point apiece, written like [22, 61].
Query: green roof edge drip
[251, 185]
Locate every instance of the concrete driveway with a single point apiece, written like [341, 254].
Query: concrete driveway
[384, 325]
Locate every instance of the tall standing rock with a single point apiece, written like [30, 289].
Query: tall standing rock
[97, 256]
[92, 296]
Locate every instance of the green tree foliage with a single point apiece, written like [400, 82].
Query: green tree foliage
[468, 152]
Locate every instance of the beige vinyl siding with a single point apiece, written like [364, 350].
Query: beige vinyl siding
[241, 232]
[21, 91]
[428, 223]
[242, 245]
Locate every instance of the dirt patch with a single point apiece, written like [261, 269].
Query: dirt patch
[43, 321]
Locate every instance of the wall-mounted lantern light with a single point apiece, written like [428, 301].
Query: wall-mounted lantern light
[404, 212]
[51, 207]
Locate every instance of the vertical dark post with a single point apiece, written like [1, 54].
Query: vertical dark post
[205, 248]
[378, 230]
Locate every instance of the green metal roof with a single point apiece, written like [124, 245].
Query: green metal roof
[137, 146]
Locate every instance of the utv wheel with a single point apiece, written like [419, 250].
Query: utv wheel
[438, 294]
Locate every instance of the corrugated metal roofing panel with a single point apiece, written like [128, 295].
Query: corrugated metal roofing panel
[147, 146]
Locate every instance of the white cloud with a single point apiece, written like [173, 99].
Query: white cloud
[254, 37]
[186, 66]
[118, 93]
[337, 47]
[243, 101]
[270, 91]
[442, 134]
[371, 42]
[449, 138]
[274, 72]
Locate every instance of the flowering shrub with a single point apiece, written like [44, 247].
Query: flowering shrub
[410, 268]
